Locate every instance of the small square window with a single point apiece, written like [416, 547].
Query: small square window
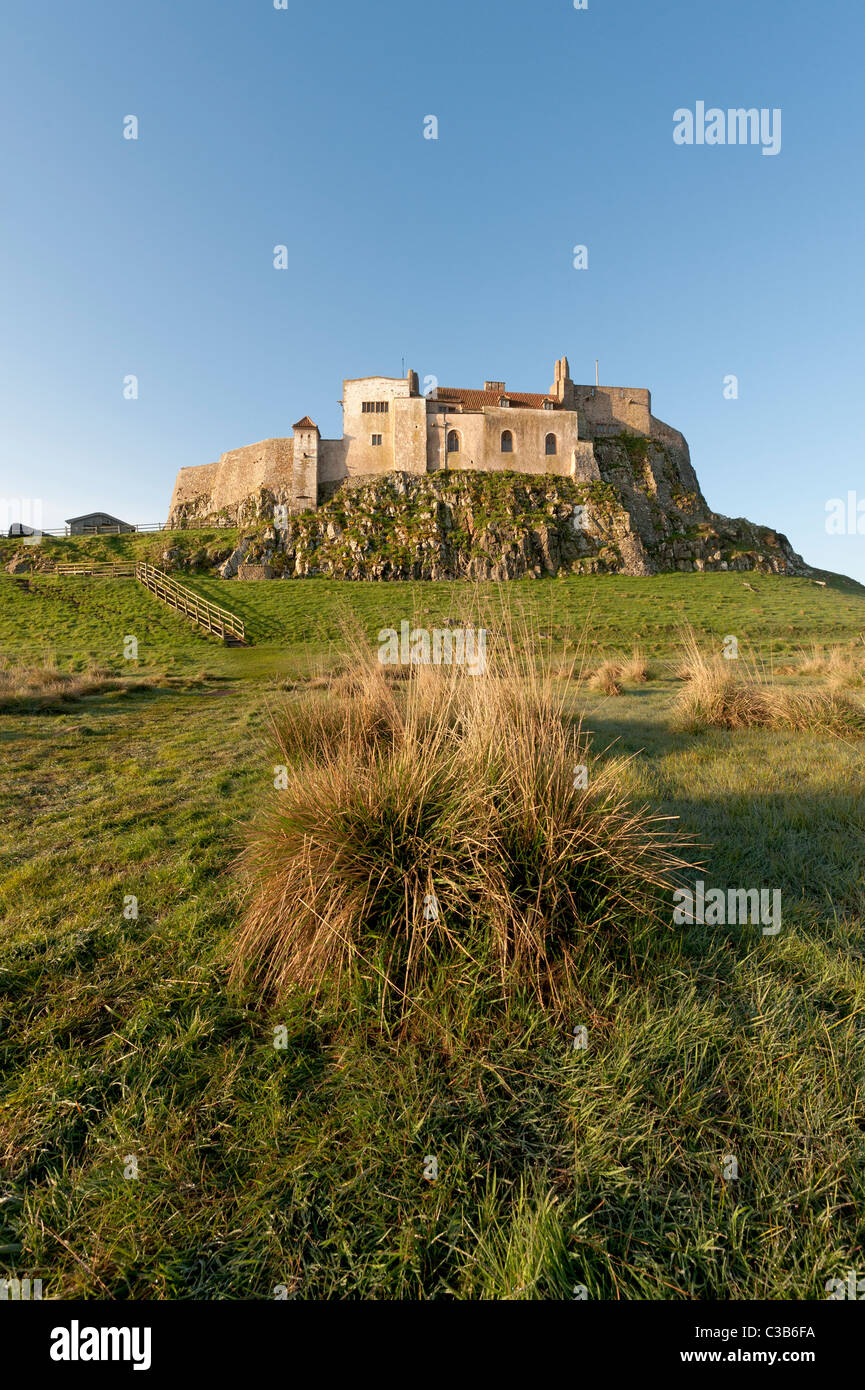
[376, 439]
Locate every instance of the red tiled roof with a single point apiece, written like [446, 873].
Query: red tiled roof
[476, 400]
[305, 424]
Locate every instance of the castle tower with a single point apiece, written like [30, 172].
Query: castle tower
[304, 468]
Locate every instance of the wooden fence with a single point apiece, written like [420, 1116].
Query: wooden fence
[119, 569]
[124, 529]
[207, 615]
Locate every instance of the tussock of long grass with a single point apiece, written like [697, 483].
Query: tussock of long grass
[736, 694]
[635, 669]
[445, 821]
[838, 665]
[359, 711]
[830, 710]
[614, 672]
[606, 678]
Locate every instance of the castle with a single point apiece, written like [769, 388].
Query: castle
[389, 425]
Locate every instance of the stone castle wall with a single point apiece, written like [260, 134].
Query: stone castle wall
[406, 433]
[214, 487]
[612, 409]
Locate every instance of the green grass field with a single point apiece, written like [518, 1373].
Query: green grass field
[293, 622]
[259, 1168]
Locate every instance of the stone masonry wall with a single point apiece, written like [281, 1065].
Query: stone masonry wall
[211, 488]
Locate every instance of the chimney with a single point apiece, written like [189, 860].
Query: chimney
[495, 386]
[563, 388]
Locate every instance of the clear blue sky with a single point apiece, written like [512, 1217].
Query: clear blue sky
[305, 127]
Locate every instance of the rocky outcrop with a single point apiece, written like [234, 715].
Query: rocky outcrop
[229, 568]
[30, 560]
[643, 514]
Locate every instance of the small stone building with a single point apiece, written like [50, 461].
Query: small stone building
[245, 571]
[92, 523]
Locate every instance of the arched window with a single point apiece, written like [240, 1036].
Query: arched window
[550, 444]
[507, 442]
[453, 442]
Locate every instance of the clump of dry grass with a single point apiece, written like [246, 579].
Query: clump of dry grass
[609, 676]
[736, 694]
[606, 678]
[830, 710]
[838, 665]
[43, 686]
[358, 710]
[443, 820]
[716, 694]
[635, 668]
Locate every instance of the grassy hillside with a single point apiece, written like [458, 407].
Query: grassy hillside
[204, 545]
[294, 621]
[775, 613]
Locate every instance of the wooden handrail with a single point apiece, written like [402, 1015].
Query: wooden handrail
[208, 615]
[190, 593]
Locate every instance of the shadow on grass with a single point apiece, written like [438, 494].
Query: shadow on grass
[108, 701]
[802, 839]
